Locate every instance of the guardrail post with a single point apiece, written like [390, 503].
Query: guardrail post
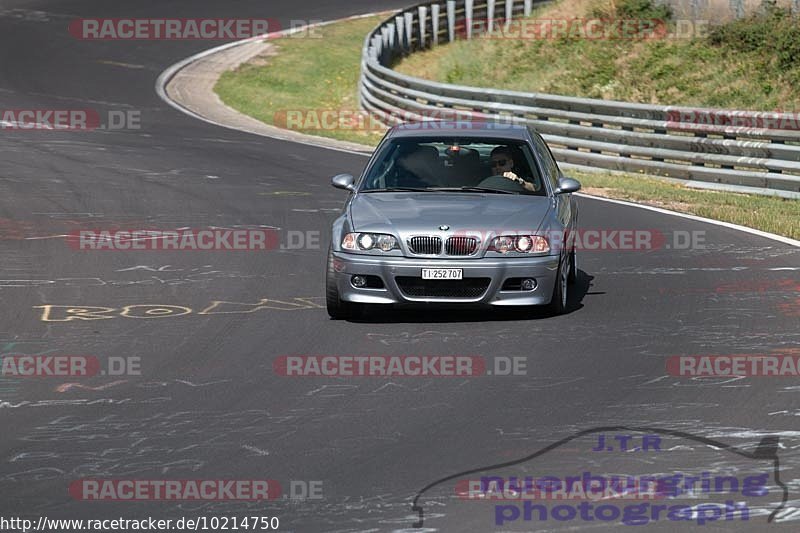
[451, 20]
[387, 49]
[435, 24]
[423, 18]
[377, 46]
[409, 27]
[400, 25]
[509, 12]
[391, 32]
[468, 15]
[490, 16]
[528, 8]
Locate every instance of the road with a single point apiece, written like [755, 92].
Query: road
[208, 404]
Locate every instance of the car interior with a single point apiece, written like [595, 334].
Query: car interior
[429, 164]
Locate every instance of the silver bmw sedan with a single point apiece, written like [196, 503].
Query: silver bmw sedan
[461, 214]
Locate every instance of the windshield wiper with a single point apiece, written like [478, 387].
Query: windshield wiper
[398, 189]
[472, 189]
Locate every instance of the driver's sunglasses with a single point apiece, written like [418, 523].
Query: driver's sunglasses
[499, 162]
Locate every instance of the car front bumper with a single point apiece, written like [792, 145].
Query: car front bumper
[543, 269]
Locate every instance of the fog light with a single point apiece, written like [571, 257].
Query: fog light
[358, 281]
[528, 284]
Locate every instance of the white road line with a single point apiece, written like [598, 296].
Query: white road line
[165, 77]
[779, 238]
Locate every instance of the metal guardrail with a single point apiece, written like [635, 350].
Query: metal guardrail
[704, 144]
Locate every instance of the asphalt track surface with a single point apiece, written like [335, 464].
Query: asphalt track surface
[209, 406]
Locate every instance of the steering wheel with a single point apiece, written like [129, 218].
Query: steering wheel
[502, 183]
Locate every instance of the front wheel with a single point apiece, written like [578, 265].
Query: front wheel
[558, 302]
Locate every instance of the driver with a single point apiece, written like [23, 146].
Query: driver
[502, 162]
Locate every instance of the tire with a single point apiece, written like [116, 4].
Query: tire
[558, 302]
[337, 309]
[573, 267]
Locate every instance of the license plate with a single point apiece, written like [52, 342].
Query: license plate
[442, 273]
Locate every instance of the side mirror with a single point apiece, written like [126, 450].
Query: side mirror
[343, 181]
[568, 185]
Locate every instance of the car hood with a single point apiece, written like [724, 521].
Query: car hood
[404, 213]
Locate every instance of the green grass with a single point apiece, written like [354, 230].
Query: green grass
[775, 215]
[752, 64]
[661, 72]
[323, 74]
[307, 77]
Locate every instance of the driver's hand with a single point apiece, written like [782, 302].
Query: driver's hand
[528, 186]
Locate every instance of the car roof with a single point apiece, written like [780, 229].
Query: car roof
[464, 128]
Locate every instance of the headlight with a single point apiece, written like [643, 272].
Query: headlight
[369, 241]
[349, 241]
[365, 241]
[523, 244]
[503, 244]
[386, 242]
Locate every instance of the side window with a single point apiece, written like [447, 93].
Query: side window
[530, 164]
[552, 158]
[546, 157]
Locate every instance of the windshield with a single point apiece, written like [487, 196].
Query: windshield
[464, 165]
